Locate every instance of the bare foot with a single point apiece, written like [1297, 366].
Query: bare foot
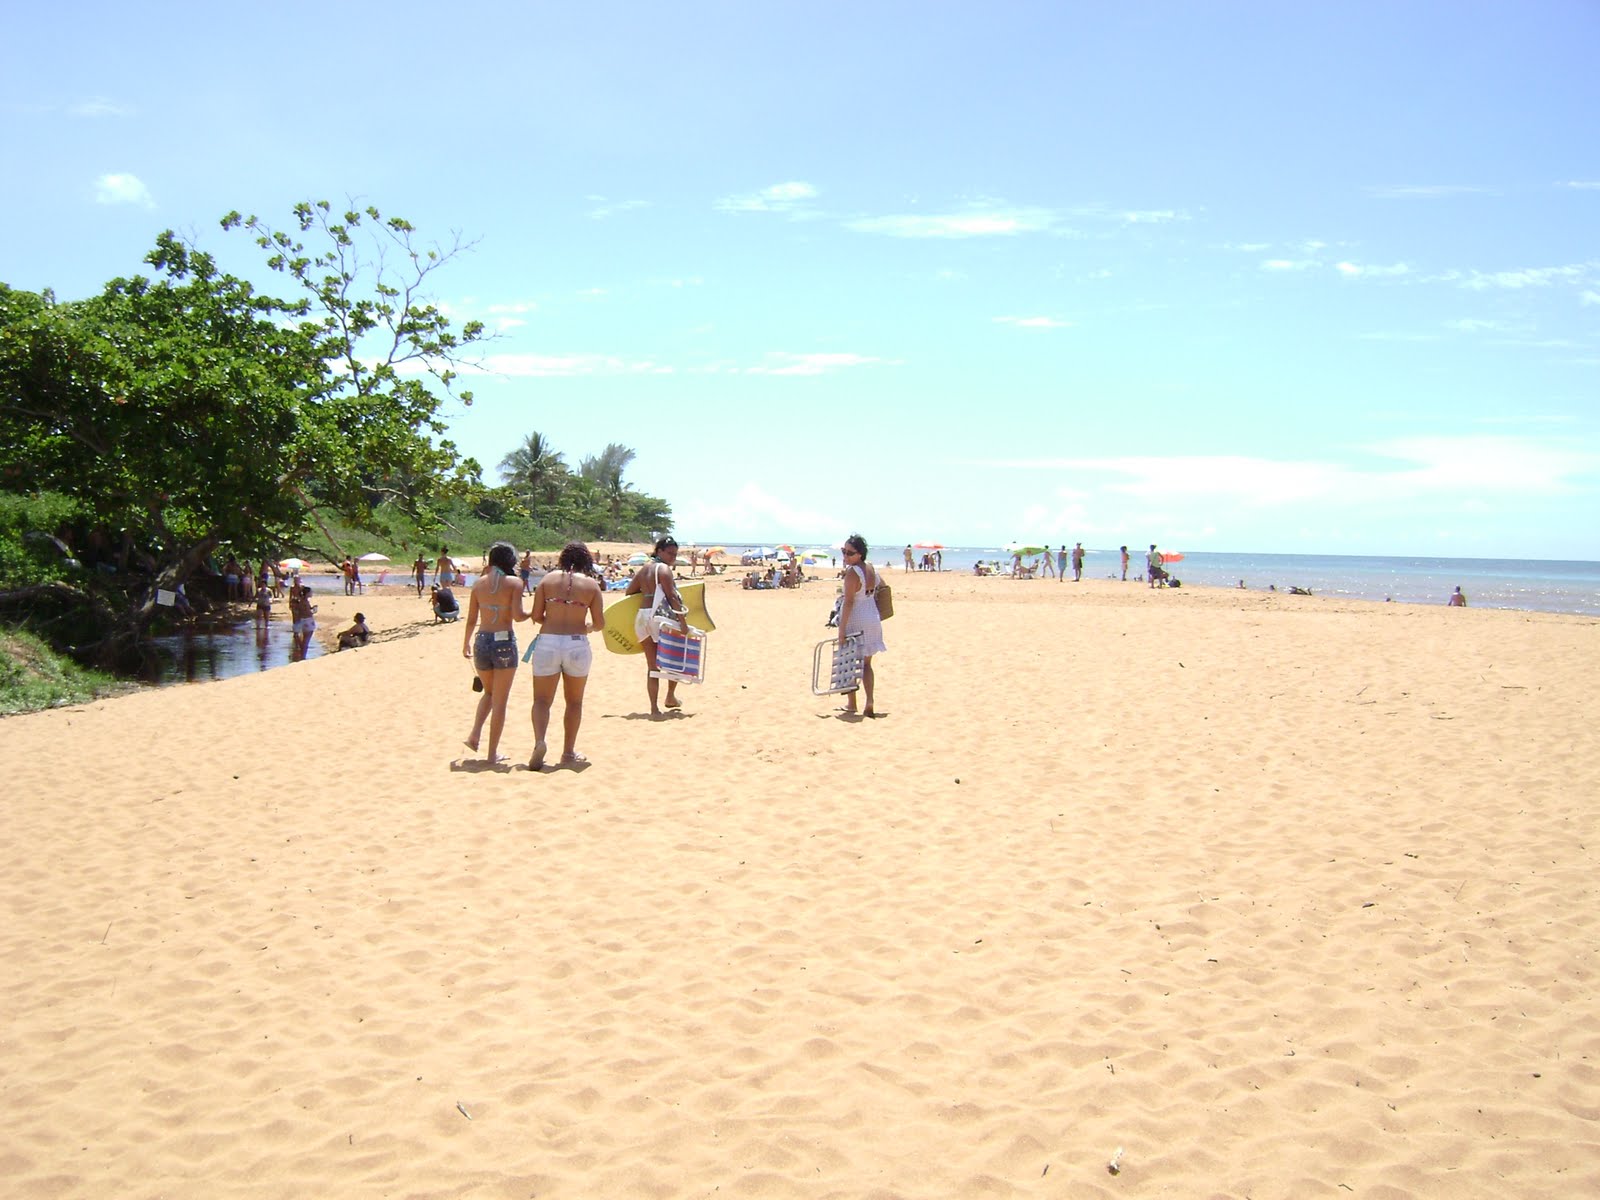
[673, 702]
[573, 760]
[471, 743]
[537, 760]
[498, 760]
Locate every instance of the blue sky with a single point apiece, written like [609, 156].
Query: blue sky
[1271, 277]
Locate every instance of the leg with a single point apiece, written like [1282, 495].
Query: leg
[544, 693]
[866, 686]
[572, 692]
[500, 688]
[485, 703]
[652, 685]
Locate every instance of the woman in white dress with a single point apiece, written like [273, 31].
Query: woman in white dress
[860, 616]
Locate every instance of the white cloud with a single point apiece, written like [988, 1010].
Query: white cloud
[753, 513]
[779, 198]
[1425, 191]
[783, 363]
[604, 208]
[1153, 216]
[562, 366]
[1289, 264]
[1527, 277]
[1473, 325]
[1585, 185]
[1402, 470]
[1352, 270]
[99, 106]
[1034, 322]
[986, 222]
[122, 189]
[1589, 296]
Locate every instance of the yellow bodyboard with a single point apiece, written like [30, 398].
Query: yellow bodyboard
[619, 632]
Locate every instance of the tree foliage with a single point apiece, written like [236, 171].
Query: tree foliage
[185, 411]
[595, 502]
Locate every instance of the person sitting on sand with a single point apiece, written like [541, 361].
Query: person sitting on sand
[1457, 600]
[568, 607]
[445, 606]
[357, 635]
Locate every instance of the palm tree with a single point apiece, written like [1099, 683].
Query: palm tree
[536, 470]
[606, 470]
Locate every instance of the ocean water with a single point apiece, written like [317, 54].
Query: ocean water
[1538, 585]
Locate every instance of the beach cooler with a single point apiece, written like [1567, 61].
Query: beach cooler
[681, 656]
[836, 668]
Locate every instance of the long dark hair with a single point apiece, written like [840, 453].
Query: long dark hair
[665, 543]
[503, 556]
[575, 557]
[857, 543]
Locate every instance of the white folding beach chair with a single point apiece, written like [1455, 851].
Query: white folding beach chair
[681, 656]
[842, 671]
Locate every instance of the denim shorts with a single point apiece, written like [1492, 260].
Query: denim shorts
[495, 651]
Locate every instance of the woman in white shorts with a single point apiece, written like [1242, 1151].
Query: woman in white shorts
[654, 582]
[496, 601]
[568, 607]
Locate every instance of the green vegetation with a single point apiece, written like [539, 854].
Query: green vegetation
[150, 430]
[32, 676]
[181, 414]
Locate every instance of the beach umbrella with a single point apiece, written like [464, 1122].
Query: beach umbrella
[821, 553]
[294, 564]
[1175, 556]
[1017, 548]
[716, 549]
[786, 548]
[638, 558]
[930, 545]
[374, 557]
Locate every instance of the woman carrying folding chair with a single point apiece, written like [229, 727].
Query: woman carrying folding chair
[859, 616]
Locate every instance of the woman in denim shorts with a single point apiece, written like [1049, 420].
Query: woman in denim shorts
[496, 601]
[568, 607]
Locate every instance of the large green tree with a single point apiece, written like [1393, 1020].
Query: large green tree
[188, 410]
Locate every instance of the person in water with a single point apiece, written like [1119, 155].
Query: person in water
[567, 606]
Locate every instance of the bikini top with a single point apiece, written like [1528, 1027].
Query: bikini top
[567, 599]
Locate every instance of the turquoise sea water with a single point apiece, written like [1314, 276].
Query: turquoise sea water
[1538, 585]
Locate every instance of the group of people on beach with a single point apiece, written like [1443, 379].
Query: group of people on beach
[568, 608]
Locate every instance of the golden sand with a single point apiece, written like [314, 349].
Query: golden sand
[1277, 896]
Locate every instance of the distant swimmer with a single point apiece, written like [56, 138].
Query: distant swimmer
[1457, 600]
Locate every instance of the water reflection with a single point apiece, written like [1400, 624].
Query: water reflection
[204, 655]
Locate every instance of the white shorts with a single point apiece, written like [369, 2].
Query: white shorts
[561, 654]
[305, 625]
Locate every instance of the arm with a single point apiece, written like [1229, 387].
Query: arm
[539, 603]
[597, 611]
[472, 619]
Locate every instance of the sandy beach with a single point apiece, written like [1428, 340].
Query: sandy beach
[1272, 896]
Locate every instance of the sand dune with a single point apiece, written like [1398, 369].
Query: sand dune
[1282, 896]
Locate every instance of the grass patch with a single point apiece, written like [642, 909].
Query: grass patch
[33, 676]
